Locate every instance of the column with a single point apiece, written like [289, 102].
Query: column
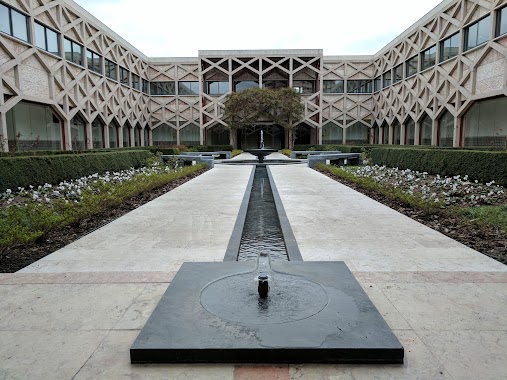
[434, 132]
[4, 139]
[88, 136]
[67, 137]
[458, 125]
[417, 137]
[106, 136]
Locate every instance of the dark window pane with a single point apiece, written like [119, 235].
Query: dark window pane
[398, 73]
[217, 88]
[275, 84]
[162, 88]
[334, 86]
[19, 27]
[188, 88]
[77, 53]
[68, 49]
[245, 84]
[359, 86]
[89, 59]
[40, 36]
[428, 57]
[52, 42]
[449, 47]
[477, 33]
[501, 23]
[387, 79]
[377, 83]
[411, 67]
[135, 82]
[146, 86]
[111, 70]
[5, 25]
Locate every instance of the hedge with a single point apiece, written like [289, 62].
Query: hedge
[210, 148]
[341, 148]
[37, 170]
[483, 166]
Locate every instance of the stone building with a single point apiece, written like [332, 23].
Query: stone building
[70, 82]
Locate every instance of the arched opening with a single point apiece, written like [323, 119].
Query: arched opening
[332, 133]
[126, 135]
[426, 131]
[98, 133]
[190, 135]
[147, 136]
[484, 124]
[446, 130]
[164, 135]
[114, 134]
[385, 133]
[78, 133]
[305, 135]
[33, 126]
[249, 137]
[396, 133]
[376, 133]
[410, 132]
[217, 134]
[137, 135]
[357, 133]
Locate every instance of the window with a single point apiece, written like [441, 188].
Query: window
[334, 86]
[359, 86]
[162, 88]
[78, 133]
[275, 84]
[217, 87]
[411, 67]
[304, 86]
[73, 52]
[449, 47]
[501, 22]
[124, 76]
[377, 83]
[146, 86]
[188, 88]
[111, 70]
[136, 82]
[46, 39]
[398, 74]
[94, 61]
[428, 57]
[13, 23]
[387, 79]
[477, 33]
[245, 85]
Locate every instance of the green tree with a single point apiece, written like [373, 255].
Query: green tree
[283, 106]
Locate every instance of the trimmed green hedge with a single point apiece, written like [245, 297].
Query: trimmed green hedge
[478, 165]
[341, 148]
[210, 148]
[37, 170]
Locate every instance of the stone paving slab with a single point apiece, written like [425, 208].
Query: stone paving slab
[76, 313]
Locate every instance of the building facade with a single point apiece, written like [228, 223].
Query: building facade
[69, 82]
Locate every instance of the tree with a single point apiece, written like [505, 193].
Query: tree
[283, 106]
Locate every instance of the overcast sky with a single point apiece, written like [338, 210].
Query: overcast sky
[179, 28]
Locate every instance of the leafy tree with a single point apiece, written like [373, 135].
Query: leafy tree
[283, 106]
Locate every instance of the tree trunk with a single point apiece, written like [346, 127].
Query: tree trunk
[232, 138]
[291, 137]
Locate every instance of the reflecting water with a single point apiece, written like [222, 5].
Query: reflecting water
[262, 232]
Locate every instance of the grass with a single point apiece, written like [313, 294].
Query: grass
[492, 215]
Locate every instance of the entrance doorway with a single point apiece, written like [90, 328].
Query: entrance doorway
[250, 137]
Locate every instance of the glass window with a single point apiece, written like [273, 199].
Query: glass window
[73, 51]
[113, 129]
[275, 84]
[13, 23]
[477, 33]
[190, 135]
[387, 79]
[449, 47]
[332, 134]
[245, 85]
[484, 123]
[111, 70]
[94, 61]
[164, 134]
[377, 83]
[501, 21]
[46, 39]
[188, 88]
[358, 133]
[77, 133]
[396, 133]
[217, 87]
[411, 66]
[359, 86]
[33, 127]
[304, 86]
[428, 57]
[334, 86]
[162, 88]
[446, 130]
[426, 131]
[136, 82]
[126, 136]
[146, 87]
[410, 132]
[398, 73]
[124, 76]
[98, 134]
[385, 134]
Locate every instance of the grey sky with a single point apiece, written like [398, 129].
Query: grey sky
[168, 28]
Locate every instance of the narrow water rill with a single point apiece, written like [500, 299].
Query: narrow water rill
[262, 232]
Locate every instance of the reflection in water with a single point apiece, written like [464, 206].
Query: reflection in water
[262, 232]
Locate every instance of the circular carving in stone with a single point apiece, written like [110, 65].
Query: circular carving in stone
[290, 299]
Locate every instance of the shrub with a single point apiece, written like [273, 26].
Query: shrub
[209, 148]
[483, 166]
[341, 148]
[37, 170]
[286, 152]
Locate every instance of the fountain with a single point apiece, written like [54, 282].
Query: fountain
[262, 151]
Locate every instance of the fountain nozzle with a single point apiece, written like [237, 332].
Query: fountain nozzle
[263, 286]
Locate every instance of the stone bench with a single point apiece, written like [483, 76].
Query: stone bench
[338, 159]
[190, 159]
[294, 153]
[225, 153]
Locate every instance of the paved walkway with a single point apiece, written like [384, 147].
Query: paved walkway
[75, 313]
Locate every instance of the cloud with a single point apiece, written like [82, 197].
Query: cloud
[161, 28]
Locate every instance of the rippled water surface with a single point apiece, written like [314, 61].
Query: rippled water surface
[262, 232]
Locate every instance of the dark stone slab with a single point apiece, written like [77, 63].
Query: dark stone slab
[316, 312]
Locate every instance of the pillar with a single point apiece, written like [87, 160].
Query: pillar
[4, 139]
[67, 137]
[417, 137]
[88, 136]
